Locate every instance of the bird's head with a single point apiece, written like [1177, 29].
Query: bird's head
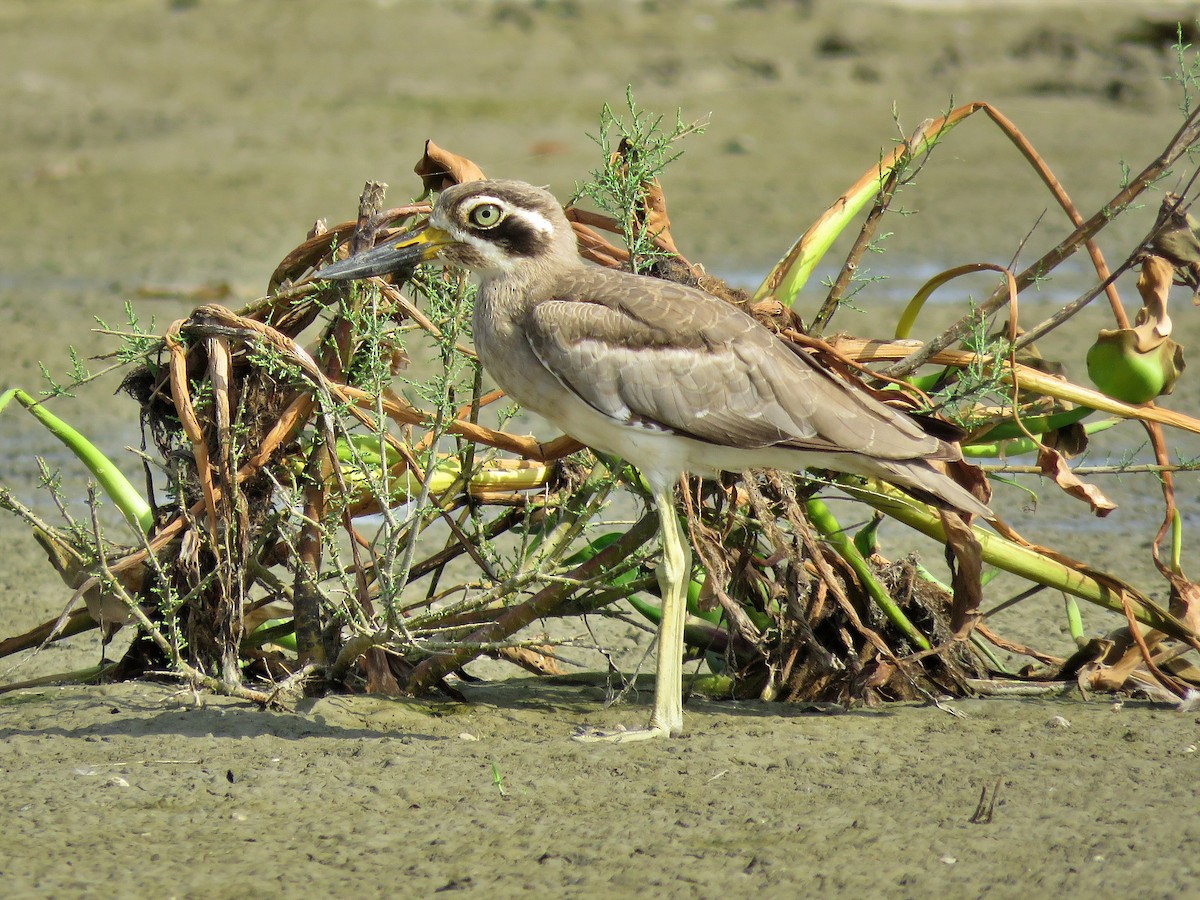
[493, 228]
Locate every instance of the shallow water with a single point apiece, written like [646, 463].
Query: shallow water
[153, 144]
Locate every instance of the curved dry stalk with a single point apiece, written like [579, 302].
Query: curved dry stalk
[1060, 195]
[404, 413]
[182, 398]
[310, 252]
[1184, 139]
[790, 273]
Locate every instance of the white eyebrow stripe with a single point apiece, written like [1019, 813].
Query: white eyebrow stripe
[534, 218]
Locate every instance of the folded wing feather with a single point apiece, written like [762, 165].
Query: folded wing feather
[680, 359]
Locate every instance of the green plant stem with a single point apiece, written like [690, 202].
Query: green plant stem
[998, 551]
[116, 486]
[90, 675]
[1017, 446]
[823, 520]
[989, 655]
[1074, 618]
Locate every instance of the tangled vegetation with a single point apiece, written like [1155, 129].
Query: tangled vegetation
[317, 517]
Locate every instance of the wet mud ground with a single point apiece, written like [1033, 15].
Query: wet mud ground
[153, 148]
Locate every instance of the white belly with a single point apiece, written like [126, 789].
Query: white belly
[662, 456]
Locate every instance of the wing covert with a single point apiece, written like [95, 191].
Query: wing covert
[706, 370]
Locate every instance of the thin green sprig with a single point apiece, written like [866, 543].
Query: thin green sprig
[636, 149]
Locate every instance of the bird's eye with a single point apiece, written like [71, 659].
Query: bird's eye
[486, 215]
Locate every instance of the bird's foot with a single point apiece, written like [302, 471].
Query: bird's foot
[586, 734]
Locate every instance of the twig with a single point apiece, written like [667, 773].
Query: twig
[1184, 139]
[437, 667]
[1114, 469]
[181, 668]
[866, 234]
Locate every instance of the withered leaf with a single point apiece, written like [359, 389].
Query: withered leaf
[657, 222]
[1185, 600]
[654, 218]
[538, 660]
[1053, 465]
[593, 246]
[971, 477]
[597, 249]
[1112, 670]
[1153, 324]
[380, 679]
[1069, 440]
[438, 169]
[1177, 237]
[965, 556]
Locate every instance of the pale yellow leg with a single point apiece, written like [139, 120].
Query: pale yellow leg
[673, 574]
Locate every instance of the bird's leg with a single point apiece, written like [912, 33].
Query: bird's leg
[672, 573]
[673, 579]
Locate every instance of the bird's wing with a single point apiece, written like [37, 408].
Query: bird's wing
[677, 358]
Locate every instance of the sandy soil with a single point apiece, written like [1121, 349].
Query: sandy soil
[188, 144]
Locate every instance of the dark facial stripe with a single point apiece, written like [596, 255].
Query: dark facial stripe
[516, 237]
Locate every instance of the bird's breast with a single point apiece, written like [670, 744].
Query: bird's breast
[508, 359]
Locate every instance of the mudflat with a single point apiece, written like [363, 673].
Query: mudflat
[164, 152]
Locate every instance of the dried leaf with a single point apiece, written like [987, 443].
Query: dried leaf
[1177, 237]
[653, 218]
[1053, 465]
[595, 248]
[1154, 284]
[380, 679]
[181, 395]
[656, 221]
[220, 376]
[539, 661]
[708, 599]
[106, 608]
[1112, 671]
[965, 556]
[438, 169]
[592, 219]
[971, 477]
[1120, 664]
[1185, 600]
[1069, 440]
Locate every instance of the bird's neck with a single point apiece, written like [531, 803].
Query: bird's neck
[532, 281]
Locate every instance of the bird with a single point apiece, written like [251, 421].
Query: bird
[669, 378]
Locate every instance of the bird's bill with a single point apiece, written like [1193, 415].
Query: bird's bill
[400, 253]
